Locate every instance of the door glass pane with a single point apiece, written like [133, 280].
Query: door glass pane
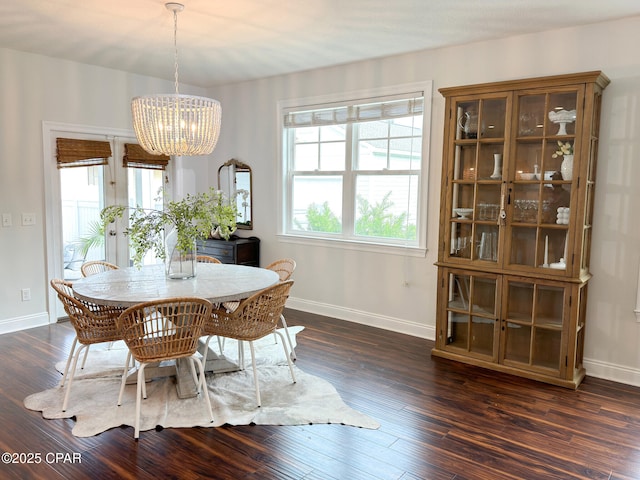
[484, 296]
[482, 334]
[548, 319]
[493, 115]
[490, 162]
[459, 287]
[562, 113]
[549, 306]
[467, 115]
[531, 115]
[465, 163]
[487, 242]
[518, 340]
[546, 348]
[520, 301]
[144, 190]
[458, 330]
[523, 243]
[81, 191]
[487, 203]
[461, 240]
[519, 319]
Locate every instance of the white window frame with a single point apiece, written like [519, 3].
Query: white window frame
[286, 234]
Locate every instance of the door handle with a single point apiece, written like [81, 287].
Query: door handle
[112, 233]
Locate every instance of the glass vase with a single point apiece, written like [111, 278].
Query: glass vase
[179, 264]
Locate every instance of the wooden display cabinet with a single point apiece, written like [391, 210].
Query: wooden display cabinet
[516, 212]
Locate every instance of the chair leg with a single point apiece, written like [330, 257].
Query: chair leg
[286, 330]
[139, 386]
[255, 374]
[73, 372]
[202, 386]
[241, 354]
[125, 374]
[194, 375]
[206, 351]
[71, 354]
[286, 354]
[84, 360]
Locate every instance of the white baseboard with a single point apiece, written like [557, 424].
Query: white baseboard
[610, 371]
[22, 323]
[366, 318]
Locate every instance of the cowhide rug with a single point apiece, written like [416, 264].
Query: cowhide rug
[95, 391]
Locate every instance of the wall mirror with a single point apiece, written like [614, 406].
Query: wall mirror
[234, 178]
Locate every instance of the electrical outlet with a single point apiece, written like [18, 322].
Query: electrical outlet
[28, 219]
[6, 219]
[26, 294]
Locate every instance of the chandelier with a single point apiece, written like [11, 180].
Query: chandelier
[175, 124]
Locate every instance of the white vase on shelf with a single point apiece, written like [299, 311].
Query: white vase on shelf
[566, 167]
[497, 166]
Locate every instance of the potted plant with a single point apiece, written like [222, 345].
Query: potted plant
[172, 232]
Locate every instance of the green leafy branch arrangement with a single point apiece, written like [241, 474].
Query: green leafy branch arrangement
[193, 217]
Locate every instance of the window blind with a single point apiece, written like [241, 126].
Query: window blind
[358, 111]
[72, 152]
[137, 157]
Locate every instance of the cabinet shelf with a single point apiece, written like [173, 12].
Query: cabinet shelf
[500, 305]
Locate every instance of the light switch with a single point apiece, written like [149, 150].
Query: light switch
[6, 219]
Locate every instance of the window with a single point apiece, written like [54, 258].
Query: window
[353, 170]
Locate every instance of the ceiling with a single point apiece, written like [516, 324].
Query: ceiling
[237, 40]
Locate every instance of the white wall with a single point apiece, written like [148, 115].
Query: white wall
[35, 89]
[368, 287]
[348, 284]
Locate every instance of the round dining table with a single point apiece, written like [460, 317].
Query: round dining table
[217, 282]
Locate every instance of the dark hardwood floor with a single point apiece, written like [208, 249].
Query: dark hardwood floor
[439, 420]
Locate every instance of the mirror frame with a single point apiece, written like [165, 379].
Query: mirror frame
[234, 167]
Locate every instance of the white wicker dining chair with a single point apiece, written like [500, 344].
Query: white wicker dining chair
[96, 266]
[284, 268]
[255, 318]
[162, 330]
[92, 323]
[207, 259]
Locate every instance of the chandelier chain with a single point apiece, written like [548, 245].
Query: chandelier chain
[175, 45]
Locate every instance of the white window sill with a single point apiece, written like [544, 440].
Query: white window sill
[404, 250]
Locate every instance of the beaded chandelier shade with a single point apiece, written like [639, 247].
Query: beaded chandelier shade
[175, 124]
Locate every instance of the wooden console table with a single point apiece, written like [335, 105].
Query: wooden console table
[236, 250]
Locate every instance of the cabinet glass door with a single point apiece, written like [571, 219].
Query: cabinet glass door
[533, 326]
[540, 180]
[471, 314]
[478, 164]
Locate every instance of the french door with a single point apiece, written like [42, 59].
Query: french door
[75, 197]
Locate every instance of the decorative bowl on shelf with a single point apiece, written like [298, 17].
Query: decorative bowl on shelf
[463, 212]
[562, 117]
[527, 176]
